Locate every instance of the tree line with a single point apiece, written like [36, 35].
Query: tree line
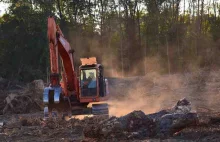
[129, 37]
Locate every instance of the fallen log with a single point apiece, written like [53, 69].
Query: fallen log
[169, 124]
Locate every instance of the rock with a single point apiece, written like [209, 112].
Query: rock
[136, 121]
[175, 119]
[168, 124]
[182, 106]
[112, 126]
[137, 125]
[158, 115]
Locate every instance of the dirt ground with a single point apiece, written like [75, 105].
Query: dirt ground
[150, 93]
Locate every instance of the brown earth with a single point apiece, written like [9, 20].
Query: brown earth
[151, 93]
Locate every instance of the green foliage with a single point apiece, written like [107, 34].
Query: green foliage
[24, 48]
[121, 34]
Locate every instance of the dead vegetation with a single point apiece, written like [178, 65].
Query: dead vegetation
[27, 100]
[133, 126]
[175, 124]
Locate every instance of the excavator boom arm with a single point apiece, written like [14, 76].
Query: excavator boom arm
[59, 45]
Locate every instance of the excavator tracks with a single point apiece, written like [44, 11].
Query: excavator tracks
[56, 111]
[69, 107]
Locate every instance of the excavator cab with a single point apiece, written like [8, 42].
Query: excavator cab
[93, 85]
[89, 82]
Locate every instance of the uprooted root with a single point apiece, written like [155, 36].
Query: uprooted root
[20, 104]
[25, 101]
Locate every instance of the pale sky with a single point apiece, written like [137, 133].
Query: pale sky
[206, 2]
[3, 7]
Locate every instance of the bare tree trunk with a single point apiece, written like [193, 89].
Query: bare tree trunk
[121, 45]
[145, 58]
[69, 14]
[177, 23]
[201, 20]
[60, 11]
[173, 9]
[178, 42]
[198, 17]
[190, 11]
[146, 46]
[214, 8]
[139, 28]
[101, 26]
[197, 29]
[168, 56]
[193, 6]
[184, 9]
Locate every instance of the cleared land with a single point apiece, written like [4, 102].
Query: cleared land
[151, 93]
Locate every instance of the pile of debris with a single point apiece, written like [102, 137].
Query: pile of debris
[34, 128]
[133, 126]
[137, 125]
[27, 100]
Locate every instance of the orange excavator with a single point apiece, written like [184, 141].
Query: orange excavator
[72, 94]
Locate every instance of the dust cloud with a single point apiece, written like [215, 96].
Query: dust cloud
[147, 93]
[154, 92]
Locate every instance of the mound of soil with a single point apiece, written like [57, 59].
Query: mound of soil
[137, 125]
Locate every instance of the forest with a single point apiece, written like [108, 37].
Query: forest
[129, 37]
